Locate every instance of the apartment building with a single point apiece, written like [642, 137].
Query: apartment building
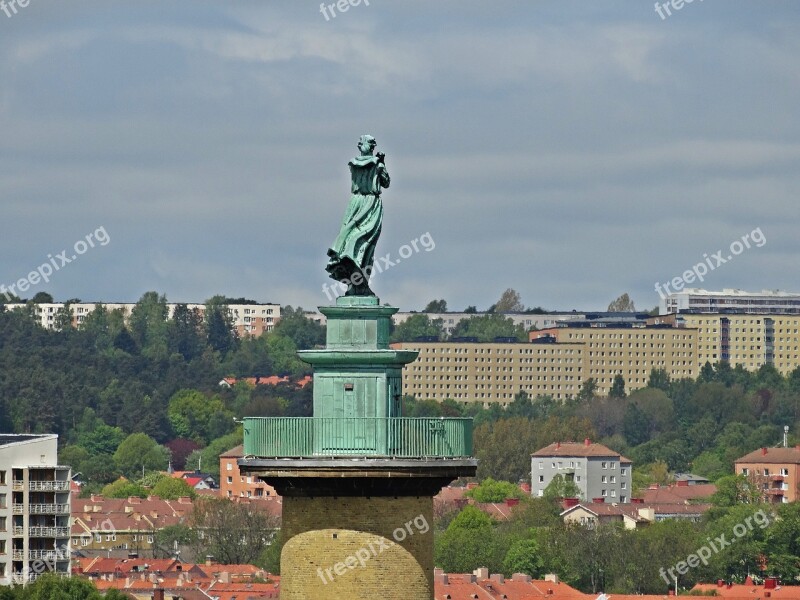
[492, 372]
[597, 471]
[731, 301]
[34, 509]
[631, 351]
[248, 319]
[776, 472]
[232, 484]
[750, 340]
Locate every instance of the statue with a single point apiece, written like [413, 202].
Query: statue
[351, 256]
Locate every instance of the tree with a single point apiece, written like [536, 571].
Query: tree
[622, 304]
[436, 306]
[304, 332]
[489, 327]
[659, 379]
[418, 326]
[468, 541]
[495, 491]
[561, 487]
[180, 449]
[139, 452]
[168, 538]
[232, 532]
[471, 310]
[42, 298]
[123, 488]
[524, 556]
[185, 332]
[220, 332]
[148, 325]
[510, 301]
[63, 318]
[191, 414]
[172, 488]
[617, 387]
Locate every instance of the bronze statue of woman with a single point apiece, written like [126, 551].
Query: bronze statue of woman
[351, 256]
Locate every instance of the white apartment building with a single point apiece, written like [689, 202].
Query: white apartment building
[34, 509]
[248, 319]
[731, 300]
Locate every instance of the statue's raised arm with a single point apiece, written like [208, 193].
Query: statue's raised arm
[351, 256]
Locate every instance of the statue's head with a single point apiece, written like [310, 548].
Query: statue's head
[366, 144]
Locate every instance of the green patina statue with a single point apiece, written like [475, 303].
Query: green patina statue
[351, 256]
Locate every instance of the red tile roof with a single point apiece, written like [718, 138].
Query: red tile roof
[772, 455]
[585, 449]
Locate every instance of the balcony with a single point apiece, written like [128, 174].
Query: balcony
[51, 555]
[17, 485]
[397, 437]
[46, 509]
[48, 486]
[46, 532]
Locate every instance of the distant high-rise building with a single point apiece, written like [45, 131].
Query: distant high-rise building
[731, 300]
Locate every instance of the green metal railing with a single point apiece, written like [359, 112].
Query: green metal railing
[402, 437]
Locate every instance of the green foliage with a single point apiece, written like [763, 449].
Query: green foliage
[494, 491]
[51, 587]
[418, 326]
[561, 487]
[172, 488]
[488, 327]
[524, 556]
[436, 306]
[123, 488]
[208, 457]
[139, 452]
[193, 415]
[471, 518]
[295, 325]
[151, 479]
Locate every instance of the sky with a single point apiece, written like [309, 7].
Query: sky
[571, 150]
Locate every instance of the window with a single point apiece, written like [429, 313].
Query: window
[229, 467]
[613, 493]
[613, 479]
[745, 471]
[604, 493]
[623, 499]
[784, 472]
[2, 477]
[613, 465]
[541, 465]
[541, 493]
[3, 501]
[766, 472]
[230, 479]
[604, 479]
[541, 478]
[149, 539]
[623, 472]
[604, 465]
[85, 541]
[623, 486]
[577, 477]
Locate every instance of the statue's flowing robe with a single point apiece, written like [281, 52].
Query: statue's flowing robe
[354, 248]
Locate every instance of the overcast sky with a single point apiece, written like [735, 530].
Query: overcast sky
[571, 150]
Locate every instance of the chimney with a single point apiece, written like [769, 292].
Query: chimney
[481, 573]
[720, 583]
[570, 502]
[209, 560]
[599, 500]
[158, 594]
[498, 578]
[440, 578]
[770, 583]
[521, 577]
[764, 451]
[224, 577]
[637, 500]
[558, 445]
[551, 577]
[512, 502]
[587, 442]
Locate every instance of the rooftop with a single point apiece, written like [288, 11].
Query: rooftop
[584, 449]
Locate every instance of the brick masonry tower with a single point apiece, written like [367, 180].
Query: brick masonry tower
[357, 478]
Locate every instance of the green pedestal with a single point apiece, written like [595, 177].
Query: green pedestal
[357, 377]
